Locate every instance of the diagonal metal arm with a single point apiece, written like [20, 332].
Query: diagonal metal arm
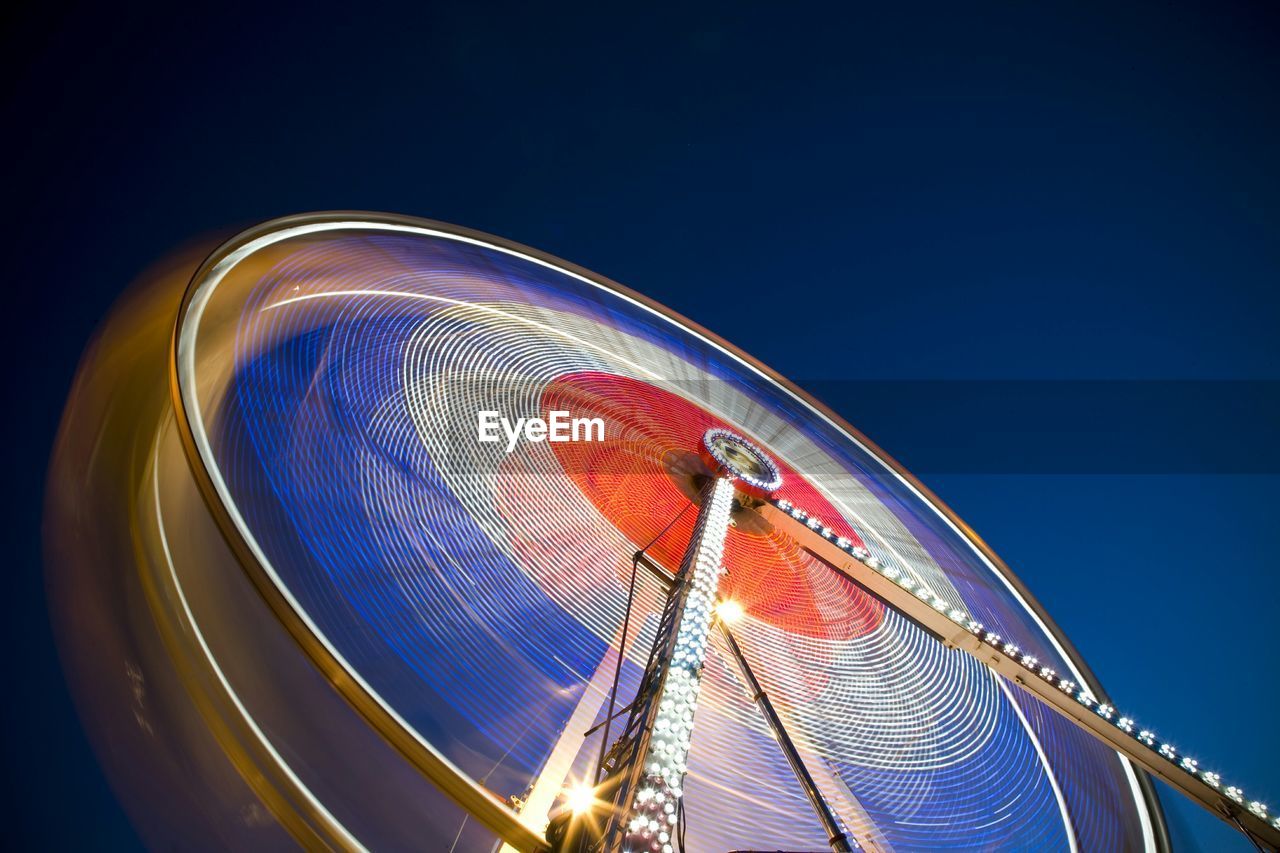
[835, 834]
[1075, 702]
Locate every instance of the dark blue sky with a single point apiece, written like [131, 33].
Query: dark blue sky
[946, 192]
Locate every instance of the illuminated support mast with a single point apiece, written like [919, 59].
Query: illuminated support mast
[658, 731]
[637, 807]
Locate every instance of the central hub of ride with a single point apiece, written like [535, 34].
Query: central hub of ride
[742, 460]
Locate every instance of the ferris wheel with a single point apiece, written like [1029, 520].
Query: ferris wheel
[450, 540]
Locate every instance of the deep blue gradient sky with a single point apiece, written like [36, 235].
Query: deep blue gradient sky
[948, 192]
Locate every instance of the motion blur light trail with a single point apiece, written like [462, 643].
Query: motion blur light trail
[466, 602]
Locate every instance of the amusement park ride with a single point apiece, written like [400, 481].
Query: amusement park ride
[725, 620]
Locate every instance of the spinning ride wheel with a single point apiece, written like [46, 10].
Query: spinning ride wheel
[504, 613]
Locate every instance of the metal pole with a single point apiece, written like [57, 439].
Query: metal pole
[835, 835]
[656, 738]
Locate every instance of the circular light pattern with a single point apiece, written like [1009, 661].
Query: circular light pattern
[742, 459]
[334, 369]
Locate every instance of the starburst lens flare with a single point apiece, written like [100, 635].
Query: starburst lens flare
[580, 798]
[467, 599]
[729, 611]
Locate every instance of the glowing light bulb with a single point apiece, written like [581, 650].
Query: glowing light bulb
[729, 611]
[580, 798]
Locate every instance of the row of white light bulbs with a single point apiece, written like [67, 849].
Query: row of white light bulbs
[1029, 661]
[654, 812]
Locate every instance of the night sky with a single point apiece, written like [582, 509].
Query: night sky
[1033, 252]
